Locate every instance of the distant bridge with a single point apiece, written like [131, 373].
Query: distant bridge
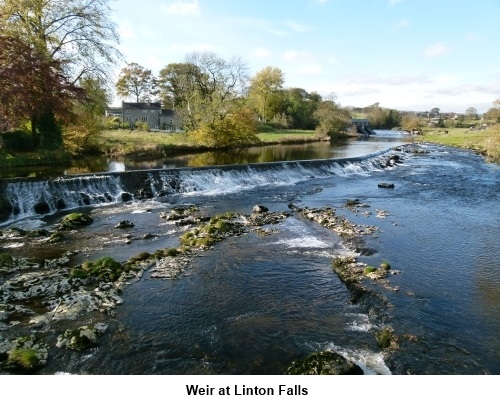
[362, 126]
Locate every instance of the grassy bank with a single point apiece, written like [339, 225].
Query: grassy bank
[486, 142]
[127, 143]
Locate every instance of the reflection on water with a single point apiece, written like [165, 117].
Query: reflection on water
[337, 148]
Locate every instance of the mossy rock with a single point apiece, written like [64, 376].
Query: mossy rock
[106, 268]
[369, 269]
[324, 363]
[385, 266]
[385, 338]
[57, 237]
[76, 220]
[139, 257]
[6, 260]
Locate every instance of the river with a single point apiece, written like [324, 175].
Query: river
[255, 303]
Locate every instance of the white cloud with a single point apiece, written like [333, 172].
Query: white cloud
[294, 55]
[437, 49]
[261, 53]
[402, 24]
[183, 8]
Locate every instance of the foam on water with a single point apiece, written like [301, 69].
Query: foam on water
[371, 363]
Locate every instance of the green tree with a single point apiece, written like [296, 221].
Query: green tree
[177, 83]
[219, 86]
[137, 82]
[332, 119]
[70, 39]
[300, 107]
[265, 92]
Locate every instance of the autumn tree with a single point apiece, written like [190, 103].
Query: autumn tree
[332, 119]
[69, 39]
[265, 92]
[136, 82]
[413, 123]
[34, 89]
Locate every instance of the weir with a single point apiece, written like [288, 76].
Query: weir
[24, 198]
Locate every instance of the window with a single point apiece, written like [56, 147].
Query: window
[144, 119]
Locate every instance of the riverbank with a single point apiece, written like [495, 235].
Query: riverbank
[143, 145]
[485, 141]
[121, 143]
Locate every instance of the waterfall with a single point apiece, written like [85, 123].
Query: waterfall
[24, 198]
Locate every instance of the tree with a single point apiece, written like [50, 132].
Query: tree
[434, 112]
[70, 39]
[493, 114]
[219, 86]
[88, 112]
[236, 129]
[471, 113]
[332, 120]
[265, 92]
[412, 123]
[137, 82]
[300, 106]
[177, 82]
[34, 89]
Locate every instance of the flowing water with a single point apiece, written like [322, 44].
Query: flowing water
[255, 303]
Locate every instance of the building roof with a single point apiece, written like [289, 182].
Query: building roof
[141, 106]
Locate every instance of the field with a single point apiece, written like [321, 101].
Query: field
[486, 141]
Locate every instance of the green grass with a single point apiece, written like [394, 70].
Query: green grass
[487, 142]
[287, 135]
[125, 142]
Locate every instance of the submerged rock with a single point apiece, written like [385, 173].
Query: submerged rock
[124, 224]
[260, 208]
[386, 185]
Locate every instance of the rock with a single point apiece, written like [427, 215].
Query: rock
[260, 208]
[126, 197]
[386, 185]
[5, 209]
[41, 208]
[324, 363]
[124, 224]
[82, 338]
[85, 198]
[76, 220]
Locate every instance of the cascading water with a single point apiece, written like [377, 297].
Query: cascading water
[25, 199]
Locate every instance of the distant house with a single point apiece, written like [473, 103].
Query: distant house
[151, 113]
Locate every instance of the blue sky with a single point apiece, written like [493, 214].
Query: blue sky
[404, 54]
